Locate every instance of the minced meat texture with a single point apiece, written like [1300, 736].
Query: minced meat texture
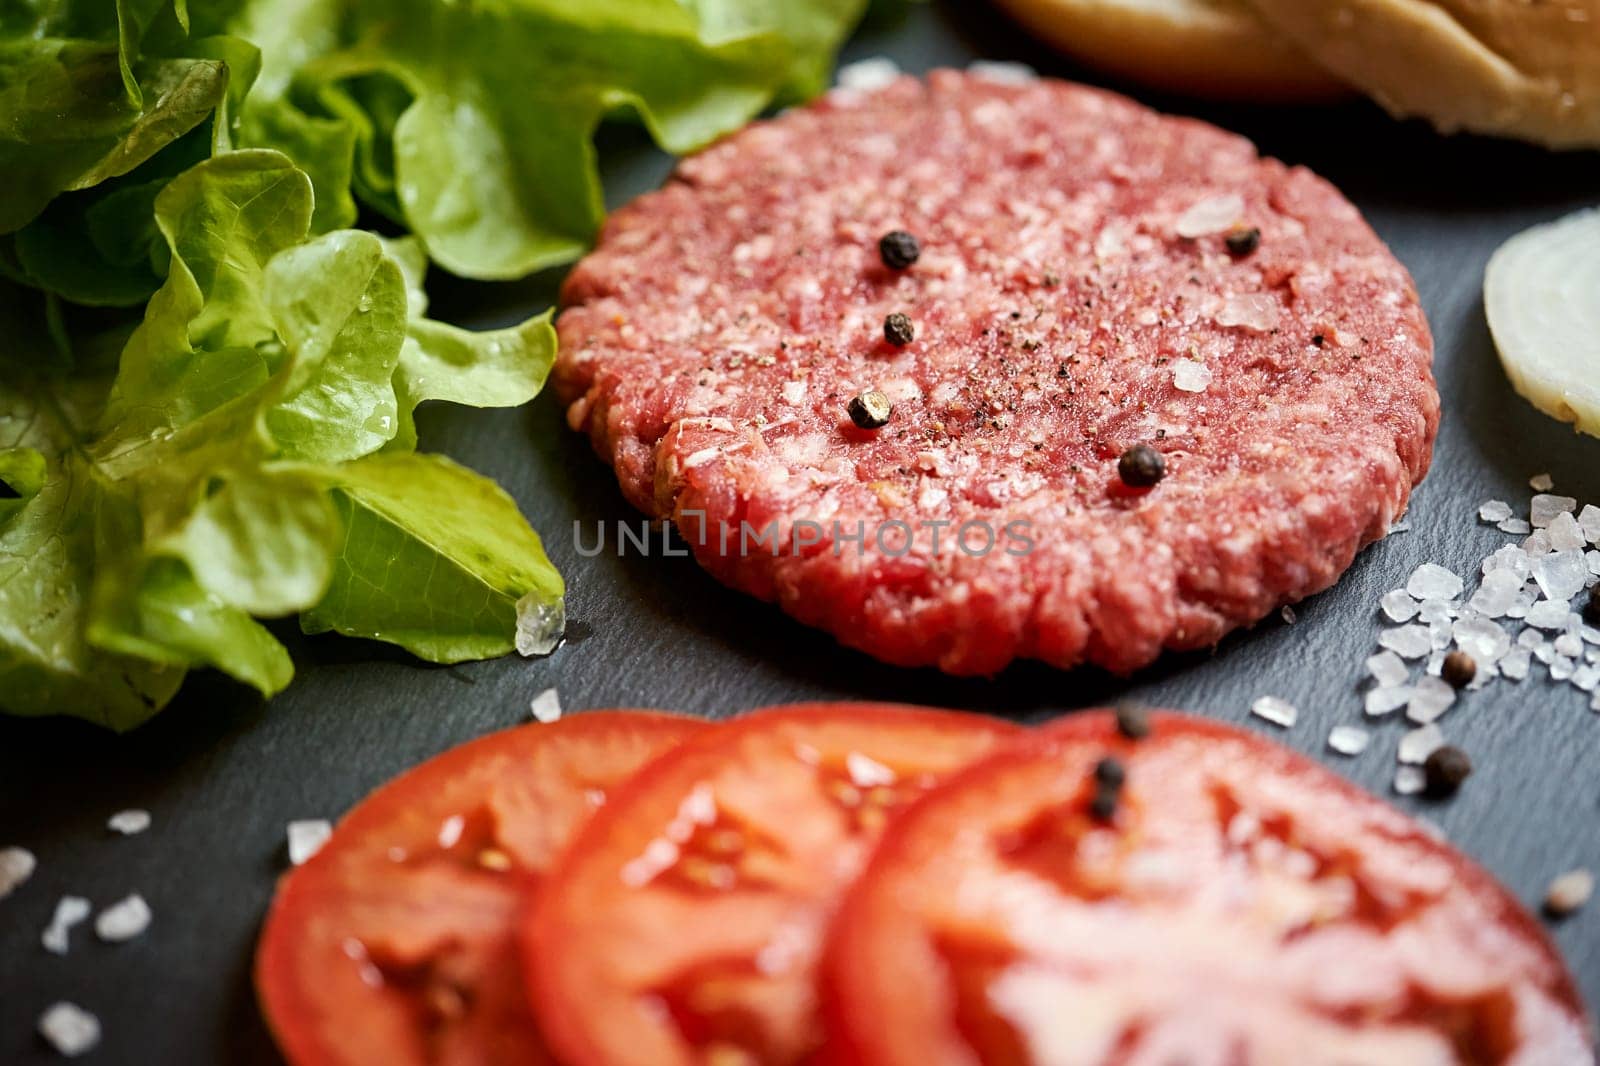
[712, 343]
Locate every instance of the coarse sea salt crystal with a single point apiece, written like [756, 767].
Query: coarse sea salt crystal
[1562, 575]
[1003, 72]
[1516, 662]
[1494, 511]
[1277, 711]
[123, 920]
[540, 624]
[1417, 744]
[1512, 558]
[1256, 311]
[1433, 582]
[1530, 638]
[867, 772]
[1409, 780]
[1398, 605]
[1431, 611]
[1497, 594]
[1408, 642]
[1594, 562]
[1190, 376]
[1537, 544]
[1549, 614]
[1589, 522]
[866, 75]
[1594, 704]
[1382, 701]
[1587, 677]
[16, 866]
[1569, 644]
[1214, 214]
[70, 1029]
[70, 911]
[1541, 483]
[1561, 668]
[546, 706]
[306, 838]
[1516, 526]
[1348, 740]
[129, 822]
[1484, 640]
[1545, 507]
[1565, 533]
[1430, 699]
[1545, 653]
[1388, 668]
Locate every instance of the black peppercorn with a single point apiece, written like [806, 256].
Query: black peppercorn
[1243, 241]
[1458, 669]
[898, 249]
[870, 410]
[1110, 773]
[898, 330]
[1133, 721]
[1318, 339]
[1445, 769]
[1141, 466]
[1103, 807]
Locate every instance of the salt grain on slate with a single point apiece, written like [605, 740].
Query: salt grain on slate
[123, 920]
[1561, 668]
[1417, 744]
[1561, 576]
[1278, 712]
[1541, 483]
[1537, 544]
[1408, 642]
[1348, 740]
[546, 706]
[1549, 615]
[1388, 669]
[1483, 639]
[1382, 701]
[1516, 526]
[70, 911]
[1410, 780]
[1433, 582]
[129, 822]
[1497, 594]
[1545, 507]
[1586, 678]
[306, 838]
[1430, 699]
[1515, 664]
[1398, 605]
[1589, 522]
[16, 866]
[1569, 644]
[70, 1029]
[1569, 892]
[1565, 534]
[1494, 511]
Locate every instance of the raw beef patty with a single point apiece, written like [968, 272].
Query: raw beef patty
[1087, 283]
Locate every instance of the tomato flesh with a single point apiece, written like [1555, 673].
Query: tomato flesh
[1241, 907]
[684, 924]
[395, 943]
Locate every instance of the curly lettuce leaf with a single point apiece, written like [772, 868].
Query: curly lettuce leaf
[252, 441]
[391, 98]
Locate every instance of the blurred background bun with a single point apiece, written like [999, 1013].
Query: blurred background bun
[1515, 68]
[1210, 48]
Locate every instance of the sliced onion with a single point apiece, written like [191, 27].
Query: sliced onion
[1542, 296]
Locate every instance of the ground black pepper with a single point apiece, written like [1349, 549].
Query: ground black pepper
[1141, 466]
[898, 249]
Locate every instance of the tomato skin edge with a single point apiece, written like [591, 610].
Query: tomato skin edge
[540, 928]
[838, 1004]
[288, 1013]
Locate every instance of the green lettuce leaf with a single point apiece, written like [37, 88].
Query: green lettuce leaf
[243, 458]
[392, 98]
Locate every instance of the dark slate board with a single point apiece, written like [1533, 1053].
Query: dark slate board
[223, 772]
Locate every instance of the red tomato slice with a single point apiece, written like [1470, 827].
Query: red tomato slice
[684, 923]
[1241, 907]
[395, 944]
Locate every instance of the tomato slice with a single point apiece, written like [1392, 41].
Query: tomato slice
[395, 943]
[684, 923]
[1240, 907]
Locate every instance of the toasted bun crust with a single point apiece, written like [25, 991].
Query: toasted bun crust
[1212, 48]
[1508, 67]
